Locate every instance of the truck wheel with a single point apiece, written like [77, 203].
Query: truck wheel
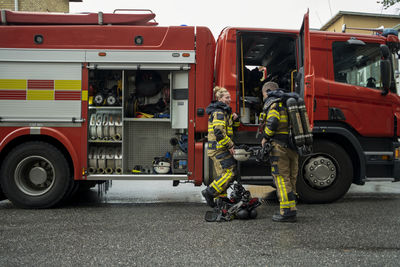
[85, 186]
[35, 175]
[2, 196]
[325, 175]
[73, 188]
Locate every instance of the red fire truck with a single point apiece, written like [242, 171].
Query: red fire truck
[88, 98]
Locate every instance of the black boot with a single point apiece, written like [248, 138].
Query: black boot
[208, 194]
[287, 216]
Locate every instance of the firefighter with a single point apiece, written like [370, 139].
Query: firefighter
[220, 145]
[284, 157]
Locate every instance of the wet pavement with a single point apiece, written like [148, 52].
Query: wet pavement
[151, 192]
[163, 191]
[155, 224]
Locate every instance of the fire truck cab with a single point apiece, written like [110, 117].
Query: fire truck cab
[348, 85]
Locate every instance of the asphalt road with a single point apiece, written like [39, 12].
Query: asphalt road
[155, 224]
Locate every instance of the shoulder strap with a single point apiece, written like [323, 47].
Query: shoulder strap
[269, 103]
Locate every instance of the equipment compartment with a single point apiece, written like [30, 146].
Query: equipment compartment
[146, 140]
[105, 159]
[133, 134]
[105, 127]
[155, 111]
[105, 87]
[147, 94]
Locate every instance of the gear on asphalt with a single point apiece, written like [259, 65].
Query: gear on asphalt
[239, 205]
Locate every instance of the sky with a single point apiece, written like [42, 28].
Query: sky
[217, 14]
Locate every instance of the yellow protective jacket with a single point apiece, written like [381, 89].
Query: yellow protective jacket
[220, 126]
[277, 124]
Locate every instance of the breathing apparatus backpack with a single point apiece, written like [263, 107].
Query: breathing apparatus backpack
[300, 134]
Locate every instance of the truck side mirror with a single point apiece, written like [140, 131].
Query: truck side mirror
[386, 75]
[386, 70]
[385, 52]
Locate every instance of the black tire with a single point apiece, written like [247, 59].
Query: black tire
[73, 188]
[2, 196]
[333, 178]
[85, 186]
[35, 175]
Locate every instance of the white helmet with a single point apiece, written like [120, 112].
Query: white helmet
[241, 154]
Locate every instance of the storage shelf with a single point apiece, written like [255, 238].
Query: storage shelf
[148, 177]
[148, 119]
[105, 107]
[106, 141]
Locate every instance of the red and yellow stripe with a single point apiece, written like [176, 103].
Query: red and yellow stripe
[21, 89]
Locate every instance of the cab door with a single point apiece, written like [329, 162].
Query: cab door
[356, 91]
[306, 68]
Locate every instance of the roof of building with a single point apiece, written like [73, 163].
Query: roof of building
[341, 13]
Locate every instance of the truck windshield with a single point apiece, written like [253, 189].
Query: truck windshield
[357, 65]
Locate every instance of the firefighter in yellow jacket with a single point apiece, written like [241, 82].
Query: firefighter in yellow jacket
[220, 145]
[284, 158]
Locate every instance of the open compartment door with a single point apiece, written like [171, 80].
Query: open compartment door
[307, 88]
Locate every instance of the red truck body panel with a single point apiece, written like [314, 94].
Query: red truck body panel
[121, 37]
[98, 37]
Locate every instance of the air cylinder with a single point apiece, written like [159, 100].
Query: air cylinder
[305, 122]
[295, 120]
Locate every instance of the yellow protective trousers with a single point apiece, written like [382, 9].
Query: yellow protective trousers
[225, 166]
[284, 168]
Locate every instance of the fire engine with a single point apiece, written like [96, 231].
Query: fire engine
[94, 97]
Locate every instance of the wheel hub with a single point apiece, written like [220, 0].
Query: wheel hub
[37, 175]
[320, 172]
[34, 175]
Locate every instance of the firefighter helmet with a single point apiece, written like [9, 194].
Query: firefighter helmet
[243, 214]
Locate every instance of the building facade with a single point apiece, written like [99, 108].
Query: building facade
[37, 5]
[360, 20]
